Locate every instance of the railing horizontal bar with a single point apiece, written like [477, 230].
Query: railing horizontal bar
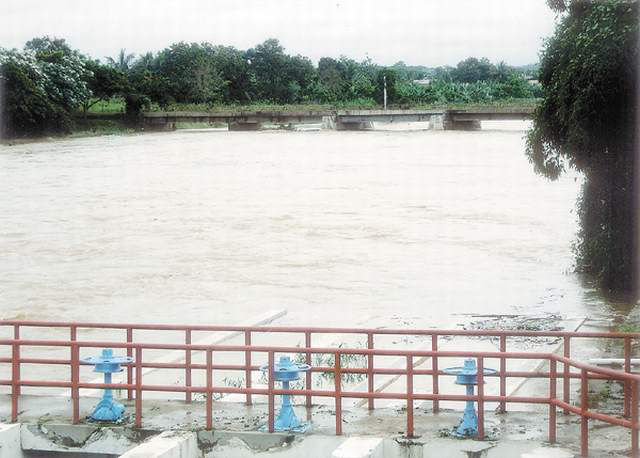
[595, 415]
[618, 375]
[36, 361]
[243, 348]
[316, 330]
[318, 369]
[265, 349]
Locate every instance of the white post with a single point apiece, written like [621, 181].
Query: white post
[384, 79]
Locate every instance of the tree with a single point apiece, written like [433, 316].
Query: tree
[106, 82]
[586, 121]
[191, 73]
[122, 62]
[332, 76]
[25, 108]
[47, 44]
[234, 71]
[146, 61]
[44, 85]
[471, 70]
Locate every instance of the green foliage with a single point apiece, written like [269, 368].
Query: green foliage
[586, 121]
[444, 92]
[471, 70]
[42, 86]
[190, 72]
[26, 109]
[202, 76]
[106, 82]
[122, 62]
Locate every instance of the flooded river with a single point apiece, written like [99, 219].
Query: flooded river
[382, 228]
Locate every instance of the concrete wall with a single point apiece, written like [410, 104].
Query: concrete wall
[10, 441]
[169, 444]
[80, 438]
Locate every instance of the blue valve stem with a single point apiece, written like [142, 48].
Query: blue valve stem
[286, 398]
[470, 409]
[108, 395]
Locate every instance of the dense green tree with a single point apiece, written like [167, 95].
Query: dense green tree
[586, 121]
[65, 72]
[267, 66]
[47, 45]
[332, 78]
[25, 108]
[43, 86]
[472, 69]
[191, 72]
[234, 71]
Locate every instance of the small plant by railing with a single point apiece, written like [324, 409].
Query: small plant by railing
[347, 361]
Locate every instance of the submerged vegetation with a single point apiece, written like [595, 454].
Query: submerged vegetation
[48, 84]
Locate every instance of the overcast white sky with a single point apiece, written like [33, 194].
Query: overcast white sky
[426, 32]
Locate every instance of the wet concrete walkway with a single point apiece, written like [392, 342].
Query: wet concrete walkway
[237, 429]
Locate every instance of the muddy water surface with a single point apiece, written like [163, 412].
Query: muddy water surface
[388, 227]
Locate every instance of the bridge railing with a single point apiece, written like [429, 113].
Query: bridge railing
[136, 386]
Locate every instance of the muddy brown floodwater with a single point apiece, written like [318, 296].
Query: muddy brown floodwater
[382, 228]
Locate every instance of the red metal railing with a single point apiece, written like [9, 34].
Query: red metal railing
[135, 385]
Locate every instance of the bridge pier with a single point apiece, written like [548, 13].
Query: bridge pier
[357, 125]
[449, 122]
[436, 122]
[243, 126]
[160, 127]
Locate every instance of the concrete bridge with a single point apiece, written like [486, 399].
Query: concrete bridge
[339, 119]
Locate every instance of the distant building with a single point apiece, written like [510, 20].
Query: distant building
[423, 82]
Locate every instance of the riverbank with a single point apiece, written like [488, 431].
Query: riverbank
[108, 118]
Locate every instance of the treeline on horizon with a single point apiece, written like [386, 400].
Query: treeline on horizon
[44, 85]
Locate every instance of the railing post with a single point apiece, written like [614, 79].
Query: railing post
[627, 384]
[338, 390]
[502, 408]
[270, 393]
[129, 368]
[248, 373]
[209, 398]
[75, 378]
[634, 419]
[584, 420]
[308, 384]
[187, 364]
[15, 380]
[409, 396]
[566, 388]
[138, 387]
[73, 336]
[552, 398]
[16, 336]
[434, 367]
[480, 398]
[370, 382]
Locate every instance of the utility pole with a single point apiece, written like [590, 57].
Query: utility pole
[384, 79]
